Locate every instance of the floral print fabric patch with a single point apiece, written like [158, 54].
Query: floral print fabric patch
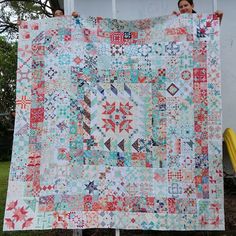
[118, 125]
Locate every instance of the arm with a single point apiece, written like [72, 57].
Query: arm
[219, 14]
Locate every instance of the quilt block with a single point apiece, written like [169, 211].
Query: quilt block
[118, 125]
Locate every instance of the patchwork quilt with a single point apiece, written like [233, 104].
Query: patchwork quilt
[118, 125]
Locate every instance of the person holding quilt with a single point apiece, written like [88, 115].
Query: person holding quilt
[187, 6]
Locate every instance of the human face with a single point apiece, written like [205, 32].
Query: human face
[185, 7]
[58, 13]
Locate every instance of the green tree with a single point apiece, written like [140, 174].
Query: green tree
[7, 94]
[7, 81]
[8, 66]
[11, 10]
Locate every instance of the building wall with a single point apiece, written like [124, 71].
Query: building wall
[134, 9]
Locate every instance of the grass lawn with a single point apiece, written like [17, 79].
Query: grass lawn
[4, 171]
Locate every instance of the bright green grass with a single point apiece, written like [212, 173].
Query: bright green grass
[4, 170]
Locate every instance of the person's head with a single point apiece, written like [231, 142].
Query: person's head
[58, 13]
[186, 6]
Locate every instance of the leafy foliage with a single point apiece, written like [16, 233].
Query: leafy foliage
[7, 94]
[8, 66]
[11, 10]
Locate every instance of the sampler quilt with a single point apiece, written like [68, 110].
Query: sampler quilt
[118, 125]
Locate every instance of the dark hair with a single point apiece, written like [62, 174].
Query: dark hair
[58, 9]
[190, 2]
